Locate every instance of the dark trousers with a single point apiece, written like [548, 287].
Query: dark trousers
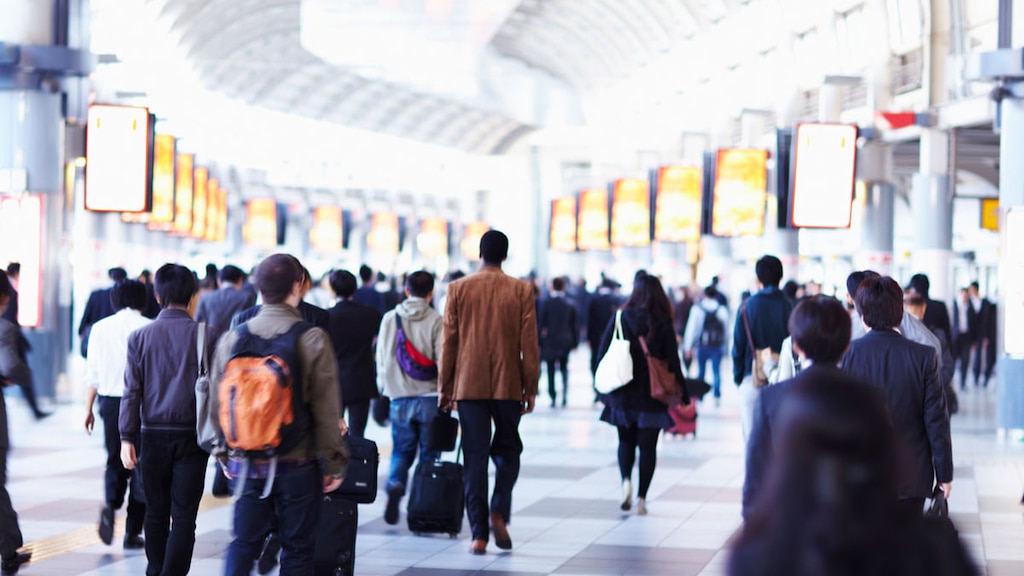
[646, 439]
[173, 477]
[984, 353]
[504, 449]
[562, 365]
[116, 478]
[358, 415]
[962, 349]
[10, 533]
[292, 510]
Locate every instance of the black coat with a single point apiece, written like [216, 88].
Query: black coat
[353, 329]
[557, 325]
[908, 374]
[311, 313]
[768, 316]
[936, 317]
[600, 313]
[97, 308]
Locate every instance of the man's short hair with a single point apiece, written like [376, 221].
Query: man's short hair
[919, 283]
[175, 284]
[275, 277]
[493, 247]
[365, 273]
[880, 303]
[14, 269]
[914, 298]
[975, 285]
[343, 283]
[420, 284]
[5, 285]
[558, 284]
[129, 294]
[821, 328]
[769, 270]
[117, 274]
[231, 274]
[856, 278]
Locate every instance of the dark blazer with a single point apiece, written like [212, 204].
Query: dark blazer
[768, 315]
[353, 329]
[311, 313]
[557, 324]
[11, 314]
[600, 313]
[964, 335]
[762, 441]
[908, 374]
[218, 307]
[97, 308]
[368, 296]
[936, 317]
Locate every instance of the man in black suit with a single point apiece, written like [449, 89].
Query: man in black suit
[12, 367]
[983, 313]
[353, 329]
[908, 374]
[367, 294]
[965, 333]
[936, 315]
[558, 336]
[600, 312]
[218, 307]
[98, 307]
[820, 329]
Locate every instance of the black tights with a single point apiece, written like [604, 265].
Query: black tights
[630, 438]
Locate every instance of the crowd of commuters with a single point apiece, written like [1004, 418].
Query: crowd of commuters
[479, 342]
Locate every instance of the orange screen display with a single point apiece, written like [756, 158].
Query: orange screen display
[200, 189]
[212, 209]
[432, 240]
[563, 224]
[631, 213]
[326, 232]
[471, 240]
[183, 194]
[678, 204]
[261, 223]
[383, 237]
[739, 199]
[592, 227]
[162, 214]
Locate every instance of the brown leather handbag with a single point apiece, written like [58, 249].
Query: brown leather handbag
[664, 386]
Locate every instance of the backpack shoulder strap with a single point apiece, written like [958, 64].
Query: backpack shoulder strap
[201, 348]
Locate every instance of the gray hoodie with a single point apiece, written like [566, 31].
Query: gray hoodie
[422, 326]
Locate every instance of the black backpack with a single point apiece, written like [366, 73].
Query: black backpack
[712, 334]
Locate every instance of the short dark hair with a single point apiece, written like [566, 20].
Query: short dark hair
[14, 269]
[769, 270]
[365, 273]
[821, 328]
[856, 278]
[117, 274]
[275, 277]
[343, 283]
[129, 294]
[231, 274]
[558, 284]
[175, 284]
[493, 247]
[974, 285]
[919, 283]
[420, 284]
[146, 275]
[5, 285]
[880, 303]
[711, 292]
[914, 298]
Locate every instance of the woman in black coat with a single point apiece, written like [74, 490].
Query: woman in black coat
[639, 418]
[353, 331]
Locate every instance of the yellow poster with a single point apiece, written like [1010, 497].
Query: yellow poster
[563, 224]
[739, 199]
[631, 213]
[592, 228]
[677, 212]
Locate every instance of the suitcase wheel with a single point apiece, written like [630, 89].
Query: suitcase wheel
[453, 535]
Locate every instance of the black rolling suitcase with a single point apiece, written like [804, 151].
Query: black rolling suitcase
[437, 500]
[336, 537]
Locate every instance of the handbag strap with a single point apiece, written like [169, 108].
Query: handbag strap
[643, 344]
[201, 348]
[746, 328]
[617, 335]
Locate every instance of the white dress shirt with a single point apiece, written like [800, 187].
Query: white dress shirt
[108, 350]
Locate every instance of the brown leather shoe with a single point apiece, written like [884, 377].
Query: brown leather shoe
[501, 538]
[478, 547]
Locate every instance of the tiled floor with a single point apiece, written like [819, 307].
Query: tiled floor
[566, 518]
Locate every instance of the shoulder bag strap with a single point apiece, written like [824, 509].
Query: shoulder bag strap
[618, 335]
[643, 344]
[746, 327]
[201, 348]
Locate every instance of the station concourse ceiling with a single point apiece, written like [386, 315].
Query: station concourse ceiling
[253, 50]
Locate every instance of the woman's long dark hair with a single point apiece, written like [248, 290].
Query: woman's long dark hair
[649, 297]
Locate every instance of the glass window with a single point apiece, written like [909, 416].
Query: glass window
[851, 35]
[809, 56]
[905, 24]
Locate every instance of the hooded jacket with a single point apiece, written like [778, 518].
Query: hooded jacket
[422, 326]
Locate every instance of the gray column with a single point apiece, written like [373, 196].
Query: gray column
[931, 202]
[876, 197]
[1010, 370]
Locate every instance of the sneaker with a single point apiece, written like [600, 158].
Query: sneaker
[10, 566]
[641, 507]
[268, 556]
[106, 528]
[395, 494]
[627, 495]
[134, 542]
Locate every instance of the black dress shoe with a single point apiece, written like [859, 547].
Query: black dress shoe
[106, 529]
[10, 566]
[268, 556]
[134, 542]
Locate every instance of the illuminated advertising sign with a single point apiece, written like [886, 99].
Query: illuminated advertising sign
[631, 212]
[471, 239]
[222, 228]
[212, 209]
[678, 204]
[200, 189]
[326, 233]
[826, 158]
[183, 194]
[162, 212]
[21, 235]
[990, 214]
[563, 225]
[739, 193]
[117, 159]
[384, 233]
[592, 225]
[432, 240]
[260, 228]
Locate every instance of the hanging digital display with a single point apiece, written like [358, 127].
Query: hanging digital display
[432, 241]
[677, 211]
[222, 228]
[326, 234]
[260, 229]
[183, 193]
[825, 163]
[212, 209]
[563, 225]
[384, 234]
[471, 240]
[162, 213]
[117, 146]
[200, 190]
[738, 206]
[631, 212]
[592, 221]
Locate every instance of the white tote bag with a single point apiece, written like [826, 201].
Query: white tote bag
[616, 368]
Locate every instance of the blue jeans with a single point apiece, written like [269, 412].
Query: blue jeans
[713, 355]
[410, 420]
[294, 503]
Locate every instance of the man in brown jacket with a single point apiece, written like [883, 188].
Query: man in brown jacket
[490, 364]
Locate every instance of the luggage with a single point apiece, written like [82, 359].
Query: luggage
[335, 553]
[437, 500]
[684, 418]
[360, 484]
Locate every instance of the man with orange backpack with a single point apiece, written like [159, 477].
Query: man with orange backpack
[278, 410]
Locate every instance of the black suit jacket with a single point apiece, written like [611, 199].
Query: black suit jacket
[906, 371]
[353, 329]
[600, 312]
[557, 325]
[936, 317]
[11, 314]
[311, 313]
[218, 308]
[97, 308]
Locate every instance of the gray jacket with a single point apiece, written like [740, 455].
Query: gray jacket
[422, 326]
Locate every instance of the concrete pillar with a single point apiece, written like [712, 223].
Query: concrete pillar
[931, 202]
[1010, 369]
[875, 198]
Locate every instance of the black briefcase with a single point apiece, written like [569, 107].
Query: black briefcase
[360, 484]
[443, 432]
